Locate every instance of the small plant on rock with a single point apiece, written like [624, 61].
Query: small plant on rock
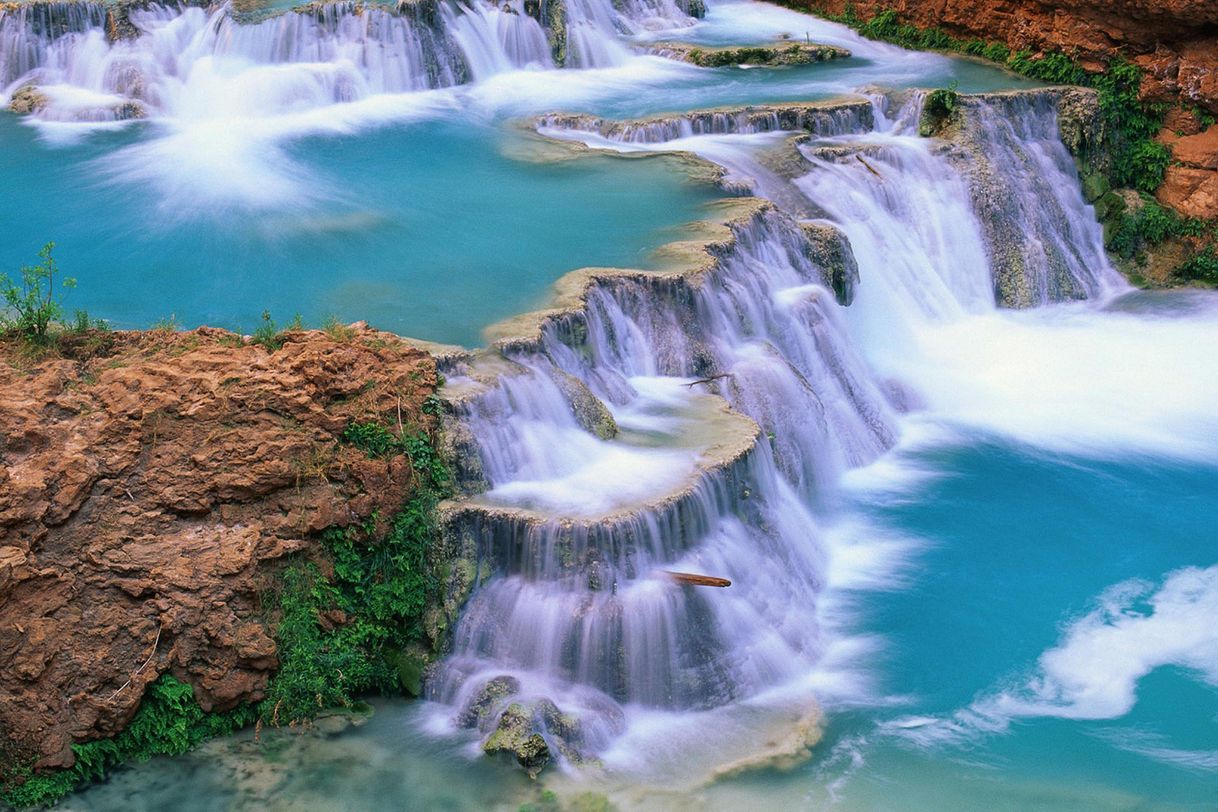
[32, 302]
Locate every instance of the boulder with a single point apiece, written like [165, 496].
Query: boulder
[516, 736]
[480, 708]
[28, 100]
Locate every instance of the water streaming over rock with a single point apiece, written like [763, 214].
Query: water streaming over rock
[92, 62]
[580, 529]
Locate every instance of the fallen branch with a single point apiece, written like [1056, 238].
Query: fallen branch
[692, 579]
[711, 379]
[870, 168]
[151, 654]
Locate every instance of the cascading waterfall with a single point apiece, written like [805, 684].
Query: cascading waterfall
[578, 617]
[580, 530]
[88, 62]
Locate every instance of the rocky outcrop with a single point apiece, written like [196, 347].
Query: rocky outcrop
[28, 100]
[149, 485]
[1191, 184]
[830, 249]
[777, 54]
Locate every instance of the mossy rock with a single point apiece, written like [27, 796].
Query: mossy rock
[483, 704]
[1109, 206]
[940, 110]
[515, 735]
[1095, 186]
[410, 666]
[783, 53]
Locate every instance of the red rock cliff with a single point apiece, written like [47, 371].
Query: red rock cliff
[148, 484]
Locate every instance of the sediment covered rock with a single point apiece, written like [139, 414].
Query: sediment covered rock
[149, 482]
[27, 100]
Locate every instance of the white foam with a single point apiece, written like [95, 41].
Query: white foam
[1074, 378]
[1094, 672]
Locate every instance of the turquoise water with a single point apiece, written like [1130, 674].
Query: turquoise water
[1018, 545]
[428, 229]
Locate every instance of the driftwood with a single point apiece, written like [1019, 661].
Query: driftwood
[692, 579]
[711, 379]
[870, 168]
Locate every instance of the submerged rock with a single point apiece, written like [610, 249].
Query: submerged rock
[516, 736]
[782, 53]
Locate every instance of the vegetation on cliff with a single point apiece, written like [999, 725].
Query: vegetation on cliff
[200, 531]
[168, 723]
[1129, 156]
[347, 621]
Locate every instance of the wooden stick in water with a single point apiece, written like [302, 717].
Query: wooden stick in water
[693, 579]
[870, 168]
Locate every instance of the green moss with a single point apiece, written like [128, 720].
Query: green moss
[169, 722]
[1147, 226]
[937, 111]
[343, 628]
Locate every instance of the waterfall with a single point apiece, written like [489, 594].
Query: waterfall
[90, 62]
[606, 465]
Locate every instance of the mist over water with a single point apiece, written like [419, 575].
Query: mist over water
[970, 545]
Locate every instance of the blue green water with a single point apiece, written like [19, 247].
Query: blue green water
[428, 229]
[1018, 544]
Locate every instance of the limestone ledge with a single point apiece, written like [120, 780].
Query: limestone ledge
[786, 52]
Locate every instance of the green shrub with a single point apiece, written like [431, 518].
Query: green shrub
[937, 110]
[1203, 267]
[32, 303]
[1148, 226]
[336, 330]
[169, 722]
[338, 634]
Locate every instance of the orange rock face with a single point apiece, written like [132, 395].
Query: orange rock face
[1192, 192]
[148, 487]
